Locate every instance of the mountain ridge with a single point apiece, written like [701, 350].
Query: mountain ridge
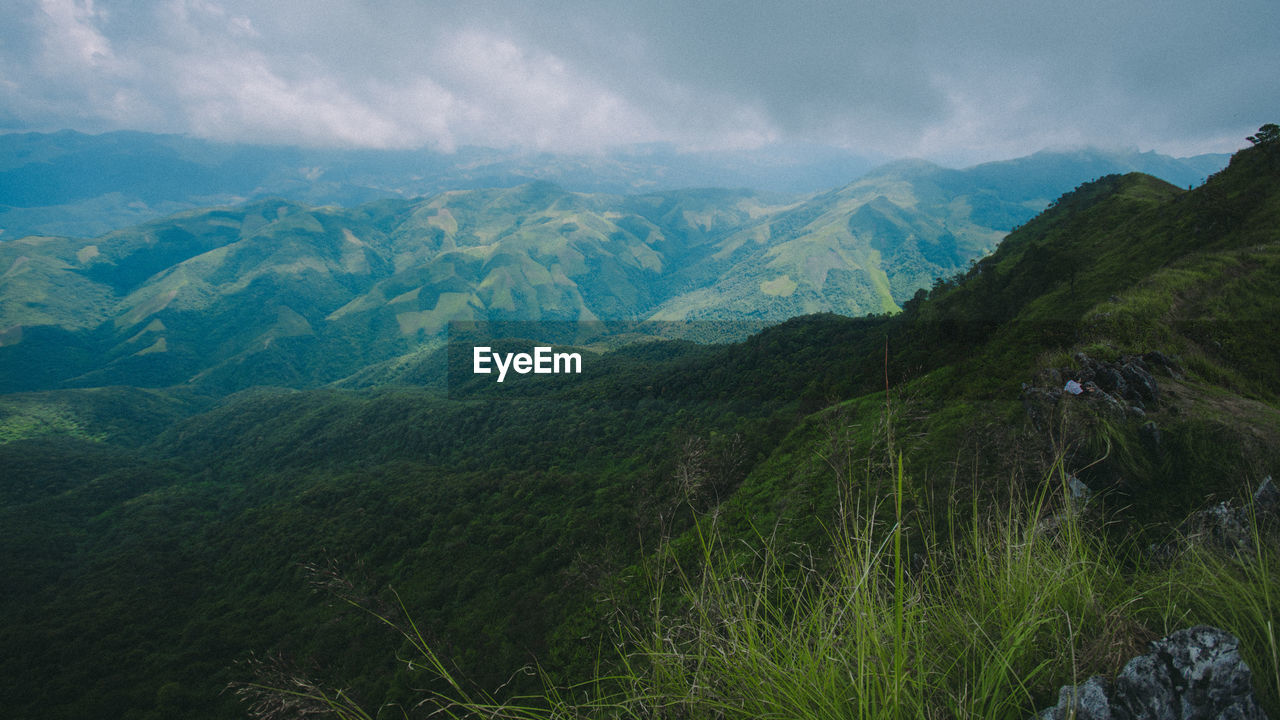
[69, 183]
[253, 293]
[172, 536]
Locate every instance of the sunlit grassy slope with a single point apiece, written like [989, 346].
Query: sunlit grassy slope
[274, 292]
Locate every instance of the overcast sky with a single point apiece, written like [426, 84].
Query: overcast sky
[952, 81]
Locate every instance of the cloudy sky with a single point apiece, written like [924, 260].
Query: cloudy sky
[951, 81]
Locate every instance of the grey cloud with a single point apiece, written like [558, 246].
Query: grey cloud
[958, 81]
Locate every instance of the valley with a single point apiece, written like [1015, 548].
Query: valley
[226, 431]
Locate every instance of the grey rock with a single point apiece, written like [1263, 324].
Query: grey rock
[1078, 490]
[1038, 404]
[1140, 382]
[1193, 674]
[1110, 379]
[1266, 499]
[1226, 526]
[1166, 364]
[1102, 399]
[1223, 526]
[1149, 433]
[1086, 701]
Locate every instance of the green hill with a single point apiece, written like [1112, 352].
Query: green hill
[153, 538]
[274, 292]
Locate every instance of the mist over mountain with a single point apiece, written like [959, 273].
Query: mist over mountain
[70, 183]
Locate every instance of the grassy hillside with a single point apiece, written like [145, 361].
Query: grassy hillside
[275, 292]
[155, 538]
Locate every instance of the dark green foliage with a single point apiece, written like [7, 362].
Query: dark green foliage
[1269, 133]
[153, 538]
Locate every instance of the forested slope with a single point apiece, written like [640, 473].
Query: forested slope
[146, 560]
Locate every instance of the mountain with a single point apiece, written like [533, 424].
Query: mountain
[863, 248]
[152, 538]
[275, 292]
[69, 183]
[870, 245]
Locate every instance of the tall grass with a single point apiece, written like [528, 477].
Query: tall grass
[1239, 592]
[985, 619]
[980, 625]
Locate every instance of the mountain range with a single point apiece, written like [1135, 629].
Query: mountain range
[152, 538]
[70, 183]
[281, 292]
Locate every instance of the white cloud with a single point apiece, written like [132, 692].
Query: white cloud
[71, 36]
[965, 81]
[509, 95]
[232, 98]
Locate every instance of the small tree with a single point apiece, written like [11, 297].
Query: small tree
[1267, 134]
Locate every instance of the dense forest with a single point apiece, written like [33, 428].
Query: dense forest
[881, 515]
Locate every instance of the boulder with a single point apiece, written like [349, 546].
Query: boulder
[1111, 380]
[1226, 526]
[1129, 380]
[1138, 383]
[1102, 399]
[1223, 526]
[1168, 365]
[1079, 491]
[1193, 674]
[1086, 701]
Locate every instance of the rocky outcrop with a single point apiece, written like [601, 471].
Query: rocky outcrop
[1126, 386]
[1193, 674]
[1226, 526]
[1128, 380]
